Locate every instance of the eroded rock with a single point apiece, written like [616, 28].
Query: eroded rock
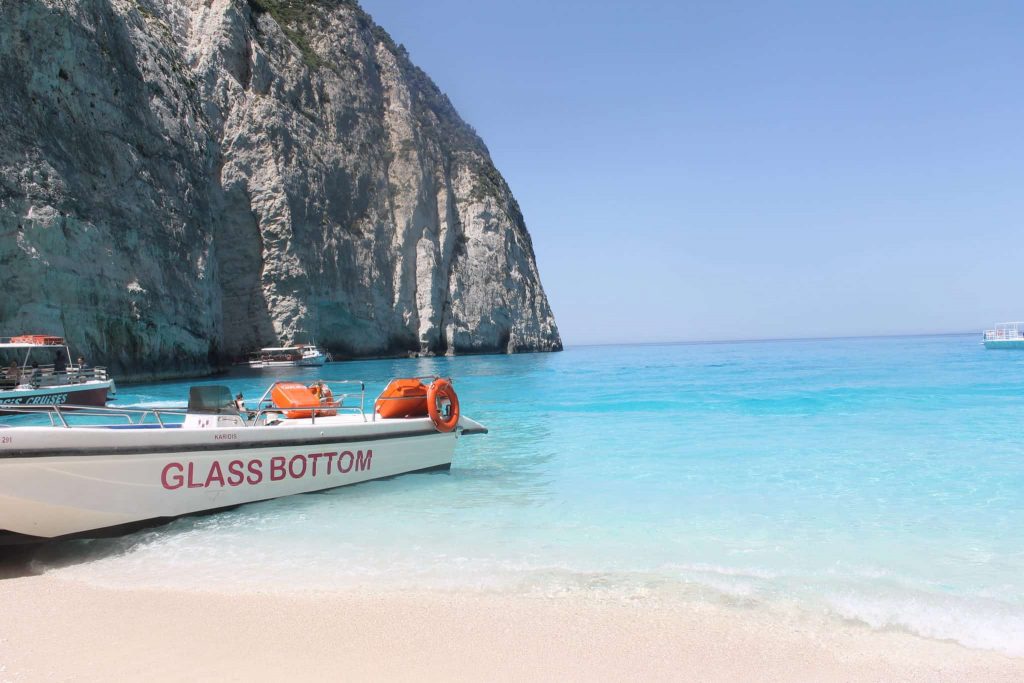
[183, 181]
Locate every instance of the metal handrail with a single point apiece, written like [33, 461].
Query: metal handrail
[60, 413]
[43, 375]
[1010, 331]
[264, 409]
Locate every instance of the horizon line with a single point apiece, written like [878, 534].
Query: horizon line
[777, 339]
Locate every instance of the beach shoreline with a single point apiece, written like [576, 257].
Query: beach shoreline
[60, 629]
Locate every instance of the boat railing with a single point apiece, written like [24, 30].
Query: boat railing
[1005, 332]
[49, 376]
[60, 415]
[265, 411]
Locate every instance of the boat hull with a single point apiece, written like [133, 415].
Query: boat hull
[1004, 343]
[68, 490]
[313, 362]
[85, 394]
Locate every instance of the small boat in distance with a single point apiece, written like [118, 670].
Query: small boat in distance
[1005, 336]
[301, 356]
[75, 471]
[38, 370]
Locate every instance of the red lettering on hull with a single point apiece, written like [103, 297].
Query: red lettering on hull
[363, 460]
[192, 483]
[215, 475]
[172, 480]
[277, 472]
[235, 474]
[176, 475]
[346, 468]
[255, 469]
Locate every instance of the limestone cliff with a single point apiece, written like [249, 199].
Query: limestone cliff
[182, 181]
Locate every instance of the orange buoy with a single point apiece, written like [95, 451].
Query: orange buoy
[443, 405]
[405, 397]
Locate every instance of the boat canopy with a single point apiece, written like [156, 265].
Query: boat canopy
[47, 356]
[28, 345]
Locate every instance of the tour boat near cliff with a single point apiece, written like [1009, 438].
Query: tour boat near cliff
[303, 355]
[1005, 336]
[38, 370]
[75, 471]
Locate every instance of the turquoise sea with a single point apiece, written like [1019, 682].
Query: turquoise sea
[876, 480]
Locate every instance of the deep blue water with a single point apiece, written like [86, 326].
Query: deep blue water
[880, 480]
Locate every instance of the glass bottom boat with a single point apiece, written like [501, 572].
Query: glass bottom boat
[80, 470]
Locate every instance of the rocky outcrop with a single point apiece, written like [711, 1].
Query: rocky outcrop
[182, 181]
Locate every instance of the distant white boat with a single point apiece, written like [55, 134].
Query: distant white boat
[1005, 336]
[301, 356]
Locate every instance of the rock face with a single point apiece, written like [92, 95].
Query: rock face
[183, 181]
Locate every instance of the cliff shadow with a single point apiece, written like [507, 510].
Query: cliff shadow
[238, 243]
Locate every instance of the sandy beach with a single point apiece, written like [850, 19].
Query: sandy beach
[56, 629]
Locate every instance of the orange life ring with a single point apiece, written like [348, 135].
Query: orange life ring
[442, 390]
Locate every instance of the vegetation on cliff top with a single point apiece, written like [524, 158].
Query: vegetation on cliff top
[292, 15]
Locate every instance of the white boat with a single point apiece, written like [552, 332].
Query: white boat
[1005, 336]
[89, 469]
[303, 355]
[38, 370]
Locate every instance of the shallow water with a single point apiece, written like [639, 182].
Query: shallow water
[880, 480]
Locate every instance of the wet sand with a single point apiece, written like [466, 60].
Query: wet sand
[57, 629]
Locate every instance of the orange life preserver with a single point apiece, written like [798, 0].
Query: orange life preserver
[442, 390]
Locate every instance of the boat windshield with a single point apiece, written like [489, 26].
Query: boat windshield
[214, 399]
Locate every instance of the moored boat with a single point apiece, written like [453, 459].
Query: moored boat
[303, 355]
[1005, 336]
[39, 370]
[90, 469]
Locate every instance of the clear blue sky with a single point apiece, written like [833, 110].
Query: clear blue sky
[724, 170]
